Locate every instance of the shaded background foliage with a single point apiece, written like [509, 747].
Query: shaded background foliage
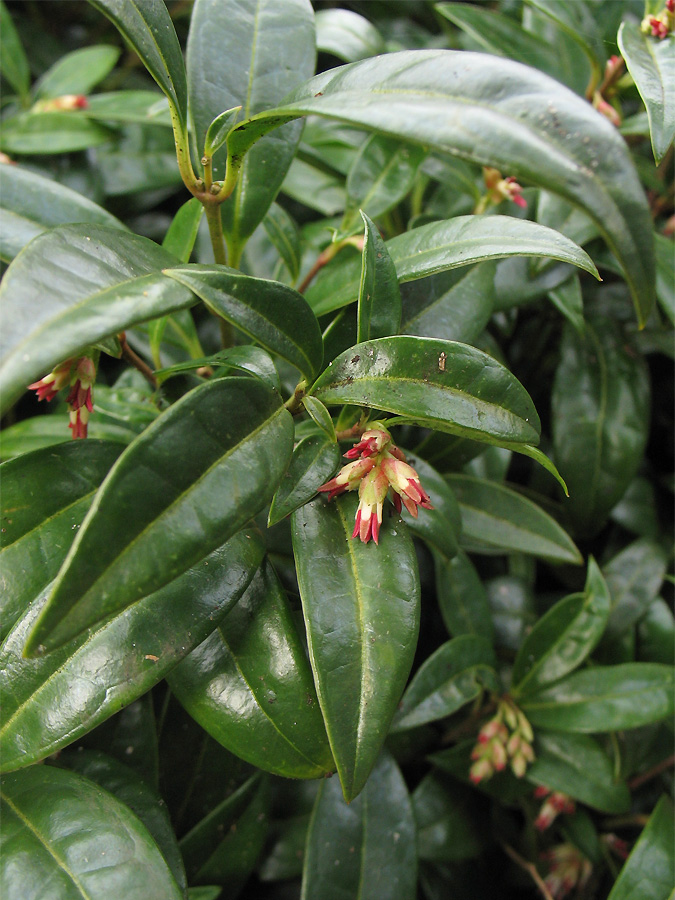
[174, 732]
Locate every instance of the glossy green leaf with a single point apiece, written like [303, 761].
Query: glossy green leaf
[366, 848]
[577, 22]
[203, 840]
[244, 358]
[656, 634]
[42, 712]
[454, 305]
[347, 35]
[439, 527]
[502, 35]
[511, 603]
[649, 871]
[448, 827]
[458, 672]
[73, 286]
[604, 698]
[382, 174]
[438, 384]
[379, 305]
[135, 793]
[361, 608]
[46, 431]
[495, 519]
[315, 460]
[576, 765]
[148, 28]
[316, 188]
[31, 204]
[318, 412]
[600, 419]
[125, 107]
[500, 113]
[271, 313]
[180, 239]
[77, 72]
[193, 478]
[216, 133]
[61, 830]
[269, 48]
[250, 687]
[42, 133]
[13, 61]
[283, 232]
[462, 597]
[651, 62]
[634, 578]
[563, 638]
[449, 244]
[568, 300]
[45, 496]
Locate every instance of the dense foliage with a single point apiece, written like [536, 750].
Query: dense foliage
[448, 258]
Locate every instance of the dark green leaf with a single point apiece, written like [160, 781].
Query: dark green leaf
[568, 300]
[379, 306]
[31, 204]
[563, 638]
[449, 244]
[318, 412]
[125, 107]
[649, 872]
[366, 848]
[13, 62]
[316, 188]
[462, 597]
[576, 21]
[500, 113]
[511, 602]
[61, 830]
[148, 28]
[77, 72]
[459, 671]
[244, 358]
[656, 634]
[250, 687]
[314, 461]
[45, 496]
[51, 132]
[604, 698]
[283, 233]
[347, 35]
[269, 48]
[271, 313]
[193, 478]
[454, 305]
[180, 239]
[123, 783]
[439, 527]
[600, 415]
[447, 826]
[576, 765]
[46, 431]
[495, 519]
[438, 384]
[216, 133]
[652, 64]
[361, 608]
[42, 712]
[73, 286]
[665, 275]
[634, 578]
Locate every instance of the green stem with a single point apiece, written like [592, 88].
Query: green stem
[215, 223]
[294, 403]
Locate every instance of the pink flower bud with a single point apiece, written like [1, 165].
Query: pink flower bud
[48, 387]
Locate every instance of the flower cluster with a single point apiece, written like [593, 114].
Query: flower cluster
[378, 468]
[503, 188]
[65, 103]
[569, 868]
[555, 803]
[661, 25]
[79, 374]
[506, 738]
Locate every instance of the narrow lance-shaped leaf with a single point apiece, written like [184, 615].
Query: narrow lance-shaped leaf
[314, 461]
[652, 64]
[13, 61]
[440, 246]
[41, 712]
[193, 478]
[347, 35]
[273, 314]
[379, 308]
[41, 846]
[77, 72]
[250, 687]
[361, 609]
[438, 384]
[73, 286]
[366, 848]
[499, 113]
[649, 871]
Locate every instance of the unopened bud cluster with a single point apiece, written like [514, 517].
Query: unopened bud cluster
[65, 103]
[505, 740]
[555, 803]
[79, 374]
[378, 468]
[568, 869]
[662, 24]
